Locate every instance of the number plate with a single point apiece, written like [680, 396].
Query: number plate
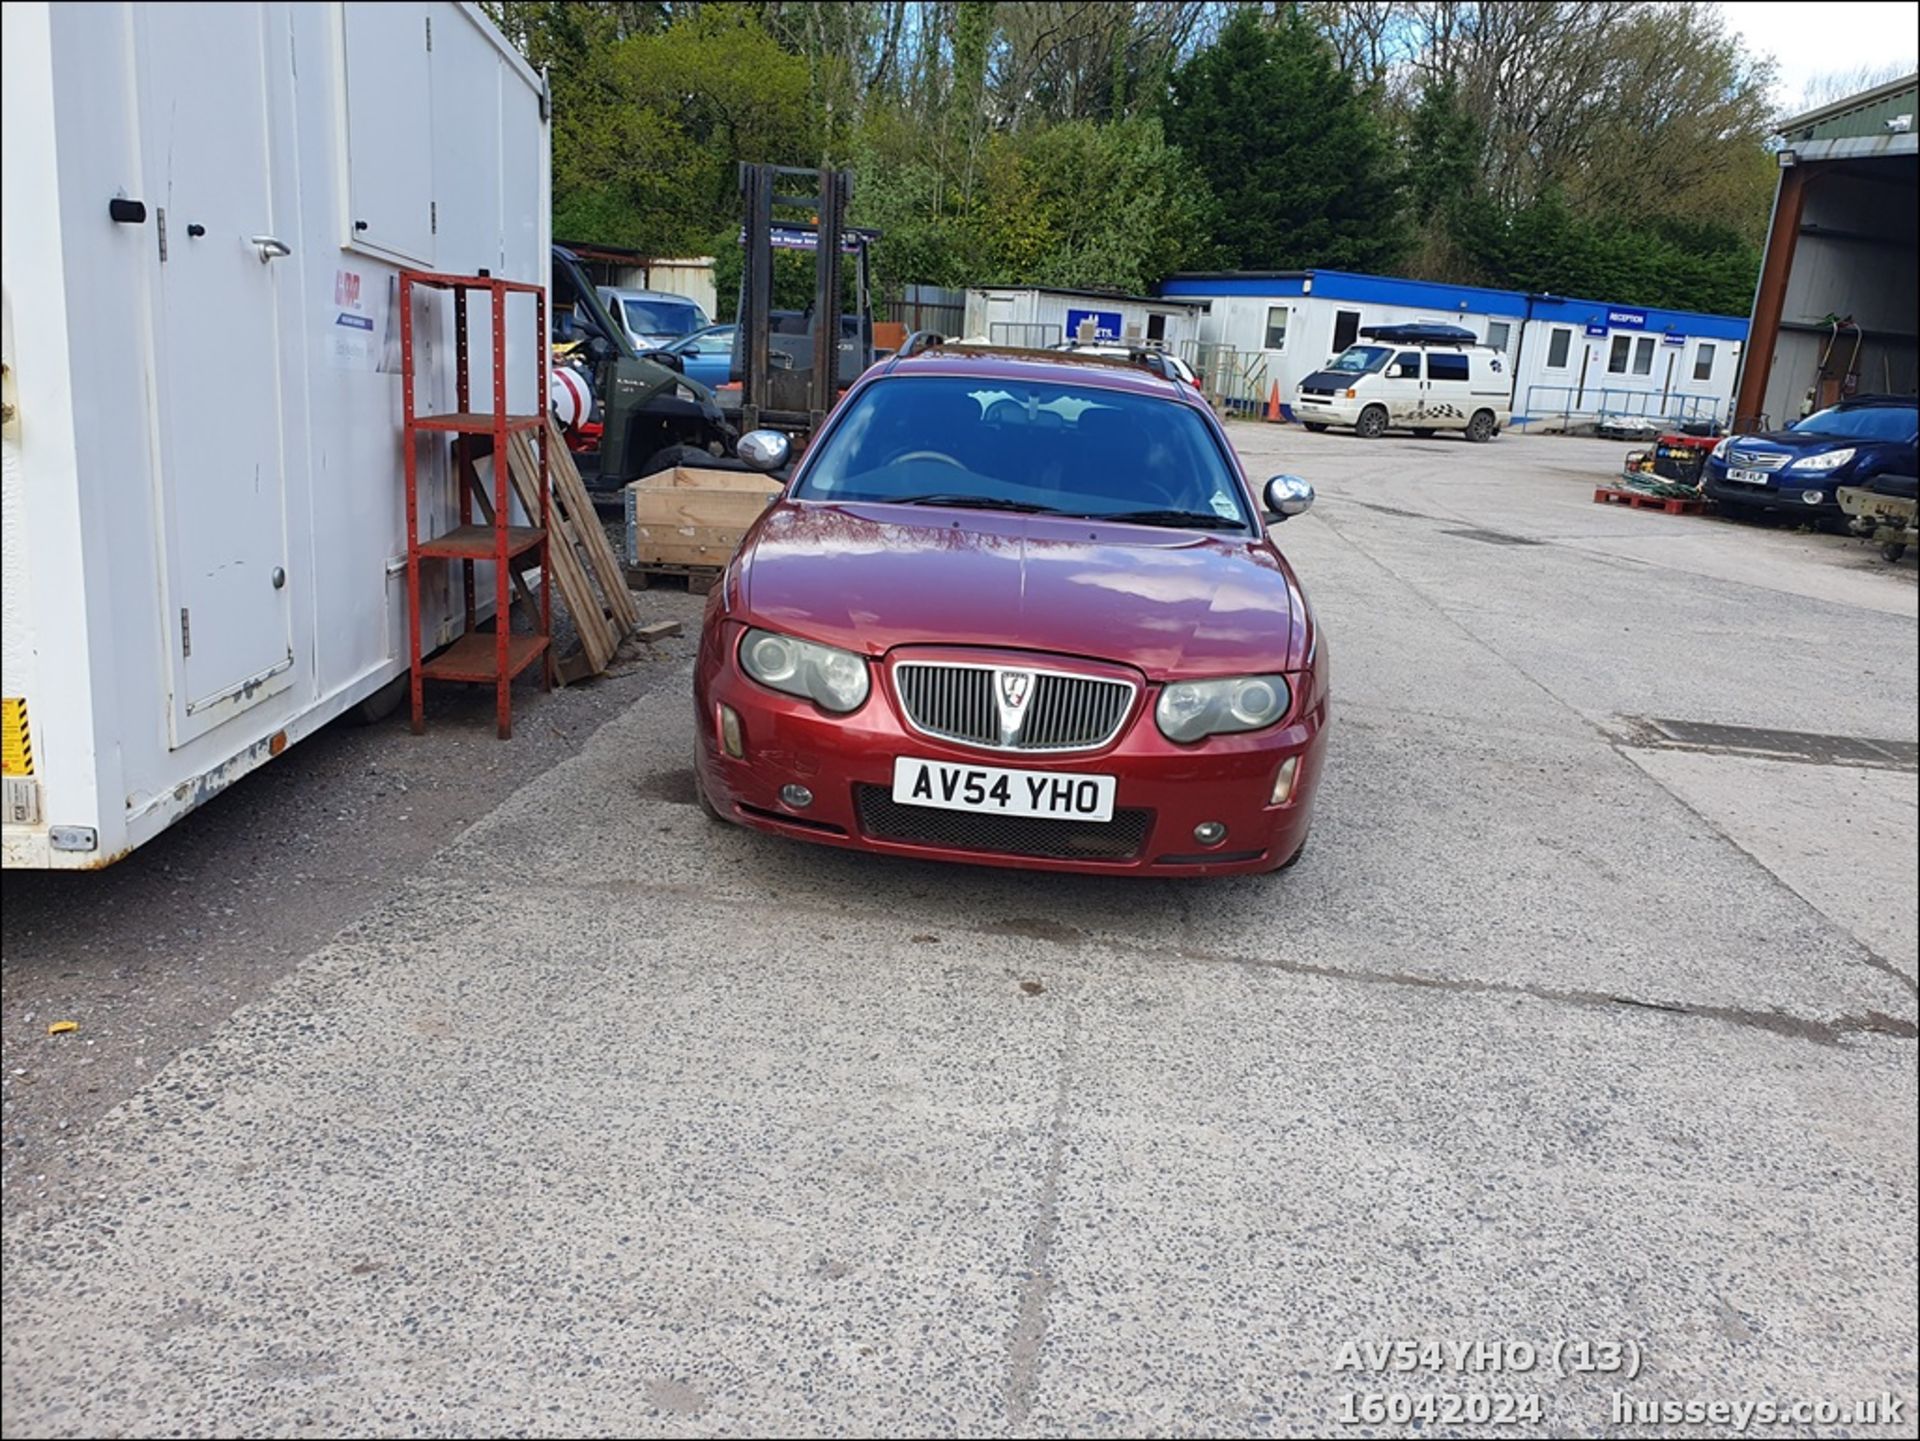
[996, 791]
[1748, 477]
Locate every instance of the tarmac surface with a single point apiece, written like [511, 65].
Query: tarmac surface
[570, 1111]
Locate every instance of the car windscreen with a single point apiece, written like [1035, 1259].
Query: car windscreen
[997, 443]
[1361, 359]
[662, 317]
[1863, 422]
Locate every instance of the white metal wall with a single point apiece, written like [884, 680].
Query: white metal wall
[80, 296]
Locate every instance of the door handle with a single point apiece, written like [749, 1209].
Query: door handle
[269, 247]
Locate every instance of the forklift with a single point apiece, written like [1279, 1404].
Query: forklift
[792, 367]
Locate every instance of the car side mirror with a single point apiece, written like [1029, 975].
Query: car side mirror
[763, 449]
[666, 358]
[1287, 495]
[690, 353]
[1396, 372]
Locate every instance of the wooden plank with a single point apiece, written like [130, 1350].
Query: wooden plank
[657, 630]
[602, 561]
[576, 526]
[684, 545]
[597, 636]
[693, 477]
[697, 507]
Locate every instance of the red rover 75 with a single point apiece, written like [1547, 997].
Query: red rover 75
[1017, 608]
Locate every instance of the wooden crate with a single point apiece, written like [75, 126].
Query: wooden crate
[689, 517]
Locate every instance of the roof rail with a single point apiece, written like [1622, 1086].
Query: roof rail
[1152, 357]
[918, 341]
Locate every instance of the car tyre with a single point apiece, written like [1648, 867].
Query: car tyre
[1318, 427]
[707, 808]
[1894, 549]
[1293, 860]
[1482, 428]
[1372, 422]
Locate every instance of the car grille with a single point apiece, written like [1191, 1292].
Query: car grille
[885, 819]
[1064, 712]
[1756, 459]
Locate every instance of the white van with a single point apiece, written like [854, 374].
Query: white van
[1423, 378]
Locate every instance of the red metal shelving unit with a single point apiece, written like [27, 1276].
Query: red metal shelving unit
[478, 656]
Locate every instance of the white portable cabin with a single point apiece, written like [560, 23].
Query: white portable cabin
[1567, 357]
[1035, 318]
[205, 211]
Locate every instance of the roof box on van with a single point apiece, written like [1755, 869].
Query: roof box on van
[1422, 333]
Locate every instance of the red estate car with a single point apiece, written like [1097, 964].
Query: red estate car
[1017, 608]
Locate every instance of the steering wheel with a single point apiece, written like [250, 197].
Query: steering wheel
[938, 455]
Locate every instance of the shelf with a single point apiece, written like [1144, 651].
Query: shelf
[479, 542]
[473, 422]
[473, 656]
[432, 280]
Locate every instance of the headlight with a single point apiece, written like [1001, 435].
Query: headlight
[1720, 450]
[1190, 710]
[1831, 460]
[833, 678]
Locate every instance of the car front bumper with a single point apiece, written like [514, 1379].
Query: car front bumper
[1785, 491]
[1327, 410]
[1162, 792]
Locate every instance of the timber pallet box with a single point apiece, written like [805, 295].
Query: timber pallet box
[1640, 500]
[689, 520]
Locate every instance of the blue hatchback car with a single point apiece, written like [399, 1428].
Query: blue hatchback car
[1799, 469]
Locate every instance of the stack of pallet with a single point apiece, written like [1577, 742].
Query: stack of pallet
[585, 570]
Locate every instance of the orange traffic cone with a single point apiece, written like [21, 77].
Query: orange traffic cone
[1273, 402]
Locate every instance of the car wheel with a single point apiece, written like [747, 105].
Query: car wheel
[1318, 427]
[1481, 428]
[1894, 549]
[1293, 860]
[1423, 432]
[1372, 422]
[700, 791]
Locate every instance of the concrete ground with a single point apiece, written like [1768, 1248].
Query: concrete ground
[597, 1117]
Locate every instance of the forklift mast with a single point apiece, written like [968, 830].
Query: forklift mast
[796, 399]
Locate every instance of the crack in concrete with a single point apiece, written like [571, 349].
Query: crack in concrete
[1036, 1286]
[1069, 937]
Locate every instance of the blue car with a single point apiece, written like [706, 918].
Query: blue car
[706, 355]
[1798, 469]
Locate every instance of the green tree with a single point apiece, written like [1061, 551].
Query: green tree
[1298, 162]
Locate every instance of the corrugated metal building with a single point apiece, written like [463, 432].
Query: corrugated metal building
[1834, 311]
[1570, 358]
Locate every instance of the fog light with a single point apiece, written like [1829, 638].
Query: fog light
[1209, 833]
[1283, 781]
[1812, 497]
[730, 733]
[795, 797]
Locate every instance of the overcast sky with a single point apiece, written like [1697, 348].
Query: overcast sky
[1813, 41]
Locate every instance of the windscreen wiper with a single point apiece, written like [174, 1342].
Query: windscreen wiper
[1187, 519]
[972, 502]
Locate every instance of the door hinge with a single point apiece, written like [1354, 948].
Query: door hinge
[429, 35]
[160, 229]
[433, 217]
[186, 632]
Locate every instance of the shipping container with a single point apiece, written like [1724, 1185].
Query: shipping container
[206, 209]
